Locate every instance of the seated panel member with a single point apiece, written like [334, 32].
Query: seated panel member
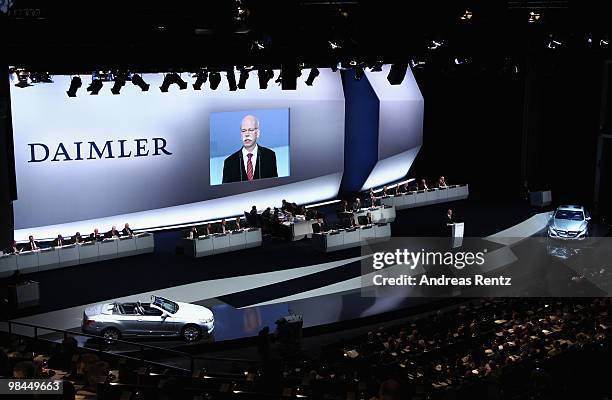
[13, 249]
[192, 233]
[95, 236]
[385, 192]
[252, 161]
[237, 224]
[423, 185]
[223, 228]
[76, 239]
[357, 204]
[127, 231]
[32, 244]
[59, 241]
[113, 233]
[442, 182]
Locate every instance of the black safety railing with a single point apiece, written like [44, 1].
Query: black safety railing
[102, 345]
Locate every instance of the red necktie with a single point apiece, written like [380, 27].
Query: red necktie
[250, 167]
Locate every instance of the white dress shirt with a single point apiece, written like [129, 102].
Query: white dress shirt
[245, 158]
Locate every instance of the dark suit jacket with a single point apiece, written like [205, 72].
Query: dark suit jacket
[112, 233]
[127, 231]
[234, 169]
[94, 238]
[56, 242]
[28, 246]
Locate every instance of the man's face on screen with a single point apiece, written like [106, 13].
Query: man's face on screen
[249, 132]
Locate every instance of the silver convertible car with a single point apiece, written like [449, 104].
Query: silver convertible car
[160, 317]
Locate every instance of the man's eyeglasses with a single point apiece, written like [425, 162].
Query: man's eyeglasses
[250, 130]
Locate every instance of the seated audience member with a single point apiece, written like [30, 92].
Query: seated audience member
[12, 249]
[113, 233]
[59, 241]
[24, 370]
[127, 231]
[442, 182]
[423, 185]
[62, 359]
[95, 236]
[357, 204]
[267, 213]
[237, 225]
[389, 390]
[76, 239]
[32, 244]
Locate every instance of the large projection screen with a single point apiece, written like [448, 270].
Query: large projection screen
[144, 157]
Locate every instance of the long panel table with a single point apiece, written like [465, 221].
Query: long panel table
[58, 257]
[426, 197]
[222, 243]
[347, 238]
[299, 229]
[381, 215]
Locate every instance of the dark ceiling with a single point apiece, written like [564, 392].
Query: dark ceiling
[78, 36]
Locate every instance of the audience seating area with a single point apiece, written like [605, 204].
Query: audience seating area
[488, 349]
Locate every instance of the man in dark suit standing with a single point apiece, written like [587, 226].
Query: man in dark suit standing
[251, 161]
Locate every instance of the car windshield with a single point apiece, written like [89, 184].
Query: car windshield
[569, 214]
[166, 305]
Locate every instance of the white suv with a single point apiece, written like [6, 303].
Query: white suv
[569, 222]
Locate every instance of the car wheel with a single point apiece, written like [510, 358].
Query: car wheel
[191, 333]
[111, 334]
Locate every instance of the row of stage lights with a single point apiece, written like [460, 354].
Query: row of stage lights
[119, 79]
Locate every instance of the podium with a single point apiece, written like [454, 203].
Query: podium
[457, 229]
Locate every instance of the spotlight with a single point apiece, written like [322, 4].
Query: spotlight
[170, 79]
[138, 81]
[201, 79]
[244, 75]
[75, 84]
[467, 15]
[290, 71]
[119, 83]
[435, 44]
[231, 79]
[397, 73]
[22, 78]
[417, 63]
[358, 72]
[40, 77]
[377, 66]
[264, 76]
[533, 17]
[95, 86]
[553, 43]
[314, 72]
[215, 80]
[334, 45]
